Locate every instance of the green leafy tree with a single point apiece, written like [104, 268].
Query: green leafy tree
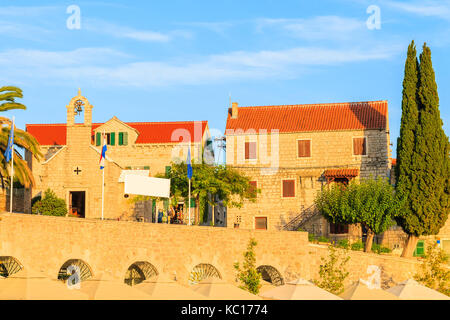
[371, 202]
[375, 206]
[333, 271]
[207, 182]
[434, 274]
[249, 275]
[334, 203]
[50, 205]
[22, 140]
[428, 196]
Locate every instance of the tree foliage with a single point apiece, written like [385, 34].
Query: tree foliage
[249, 275]
[433, 273]
[372, 202]
[207, 182]
[22, 140]
[50, 205]
[333, 271]
[424, 167]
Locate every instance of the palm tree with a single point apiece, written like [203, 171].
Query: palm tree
[22, 140]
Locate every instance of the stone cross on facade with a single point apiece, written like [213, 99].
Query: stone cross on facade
[77, 170]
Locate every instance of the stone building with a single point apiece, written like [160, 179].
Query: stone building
[72, 151]
[292, 151]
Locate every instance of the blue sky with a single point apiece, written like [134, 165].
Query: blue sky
[180, 60]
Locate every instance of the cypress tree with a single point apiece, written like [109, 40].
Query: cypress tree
[405, 142]
[429, 194]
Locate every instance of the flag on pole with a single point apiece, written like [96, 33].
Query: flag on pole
[10, 147]
[189, 165]
[103, 155]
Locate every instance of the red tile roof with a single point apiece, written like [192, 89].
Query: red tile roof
[341, 173]
[312, 117]
[149, 132]
[394, 161]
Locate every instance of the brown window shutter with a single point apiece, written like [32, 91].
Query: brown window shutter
[304, 148]
[261, 223]
[247, 150]
[364, 147]
[288, 188]
[359, 146]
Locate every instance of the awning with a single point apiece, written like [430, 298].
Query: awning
[341, 173]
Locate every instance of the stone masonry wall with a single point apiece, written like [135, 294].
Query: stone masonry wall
[329, 150]
[110, 247]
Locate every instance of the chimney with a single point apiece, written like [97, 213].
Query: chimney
[234, 110]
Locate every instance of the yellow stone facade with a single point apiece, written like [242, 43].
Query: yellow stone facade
[277, 160]
[75, 167]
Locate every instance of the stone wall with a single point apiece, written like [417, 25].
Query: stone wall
[110, 247]
[277, 160]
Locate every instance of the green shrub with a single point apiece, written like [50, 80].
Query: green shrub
[50, 205]
[35, 199]
[385, 250]
[376, 248]
[343, 243]
[433, 273]
[357, 246]
[301, 229]
[311, 237]
[323, 239]
[380, 249]
[333, 271]
[249, 275]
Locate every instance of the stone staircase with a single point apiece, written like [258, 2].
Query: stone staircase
[301, 219]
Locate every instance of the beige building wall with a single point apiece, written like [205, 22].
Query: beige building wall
[75, 166]
[329, 150]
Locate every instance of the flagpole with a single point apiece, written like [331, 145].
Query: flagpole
[103, 190]
[12, 170]
[103, 178]
[189, 203]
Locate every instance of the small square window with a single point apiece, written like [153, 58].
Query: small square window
[288, 188]
[360, 146]
[261, 223]
[304, 148]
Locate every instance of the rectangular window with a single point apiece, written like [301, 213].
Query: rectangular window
[108, 138]
[253, 187]
[98, 139]
[261, 223]
[359, 146]
[288, 188]
[250, 150]
[337, 228]
[304, 148]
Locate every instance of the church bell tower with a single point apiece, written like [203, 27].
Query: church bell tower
[79, 133]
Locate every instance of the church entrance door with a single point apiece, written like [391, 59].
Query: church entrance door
[77, 203]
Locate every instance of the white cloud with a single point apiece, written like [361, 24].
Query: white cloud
[316, 28]
[106, 67]
[27, 11]
[118, 31]
[440, 9]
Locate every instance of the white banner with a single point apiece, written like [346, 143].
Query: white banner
[147, 186]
